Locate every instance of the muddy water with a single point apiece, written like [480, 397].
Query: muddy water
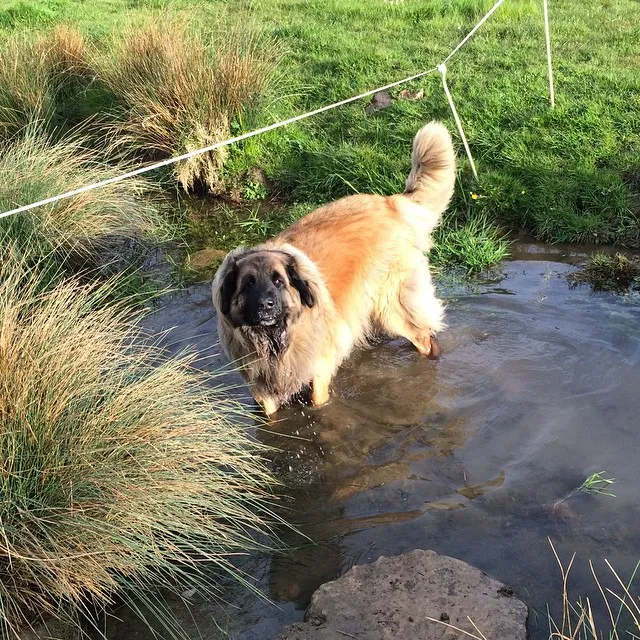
[538, 387]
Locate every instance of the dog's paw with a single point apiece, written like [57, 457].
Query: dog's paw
[269, 405]
[435, 351]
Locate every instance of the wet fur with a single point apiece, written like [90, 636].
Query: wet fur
[362, 261]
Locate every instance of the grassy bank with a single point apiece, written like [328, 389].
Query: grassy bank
[567, 174]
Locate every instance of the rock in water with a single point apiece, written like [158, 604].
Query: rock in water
[394, 597]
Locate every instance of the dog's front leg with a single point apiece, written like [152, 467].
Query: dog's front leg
[320, 383]
[268, 403]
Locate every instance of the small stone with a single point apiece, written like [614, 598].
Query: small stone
[380, 100]
[203, 263]
[444, 617]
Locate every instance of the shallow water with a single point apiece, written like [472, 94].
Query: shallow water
[538, 387]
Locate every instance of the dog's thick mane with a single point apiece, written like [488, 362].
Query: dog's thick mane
[269, 342]
[275, 359]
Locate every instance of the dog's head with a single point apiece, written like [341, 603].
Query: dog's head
[261, 288]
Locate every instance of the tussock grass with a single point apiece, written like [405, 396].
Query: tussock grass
[179, 91]
[34, 167]
[39, 76]
[121, 470]
[474, 245]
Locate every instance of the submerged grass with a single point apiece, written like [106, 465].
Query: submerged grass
[122, 470]
[179, 90]
[605, 272]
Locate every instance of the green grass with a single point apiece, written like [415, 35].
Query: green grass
[594, 484]
[122, 470]
[568, 174]
[473, 245]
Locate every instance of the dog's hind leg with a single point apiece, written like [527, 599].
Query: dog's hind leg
[416, 314]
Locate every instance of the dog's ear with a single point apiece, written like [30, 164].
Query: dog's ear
[228, 286]
[306, 295]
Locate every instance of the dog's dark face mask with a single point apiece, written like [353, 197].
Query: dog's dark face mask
[261, 290]
[261, 298]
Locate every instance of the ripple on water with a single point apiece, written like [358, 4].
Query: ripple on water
[469, 456]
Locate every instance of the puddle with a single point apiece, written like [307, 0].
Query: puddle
[538, 388]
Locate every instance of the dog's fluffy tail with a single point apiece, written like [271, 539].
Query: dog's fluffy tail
[433, 169]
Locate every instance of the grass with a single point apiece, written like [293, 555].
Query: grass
[578, 620]
[122, 470]
[474, 245]
[567, 174]
[178, 90]
[42, 79]
[597, 484]
[70, 231]
[606, 272]
[594, 484]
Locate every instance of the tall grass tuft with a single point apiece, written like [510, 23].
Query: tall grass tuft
[578, 620]
[33, 167]
[120, 470]
[178, 91]
[39, 75]
[474, 245]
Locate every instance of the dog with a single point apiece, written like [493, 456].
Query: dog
[290, 310]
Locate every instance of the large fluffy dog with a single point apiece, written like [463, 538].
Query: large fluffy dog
[290, 310]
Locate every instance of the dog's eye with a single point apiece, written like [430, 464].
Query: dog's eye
[277, 280]
[249, 282]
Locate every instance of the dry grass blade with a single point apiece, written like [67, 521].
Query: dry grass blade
[579, 621]
[606, 601]
[451, 626]
[120, 470]
[179, 92]
[628, 598]
[566, 610]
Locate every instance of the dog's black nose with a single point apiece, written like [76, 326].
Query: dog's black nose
[266, 304]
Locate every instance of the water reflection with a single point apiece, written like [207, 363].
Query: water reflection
[468, 455]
